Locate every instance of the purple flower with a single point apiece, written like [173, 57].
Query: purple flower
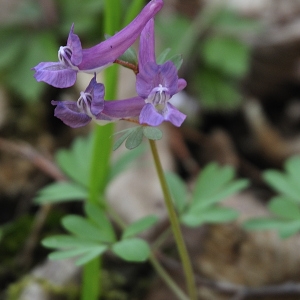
[92, 106]
[73, 59]
[156, 84]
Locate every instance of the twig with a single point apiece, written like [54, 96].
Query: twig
[46, 166]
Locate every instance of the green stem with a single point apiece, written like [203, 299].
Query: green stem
[186, 263]
[166, 278]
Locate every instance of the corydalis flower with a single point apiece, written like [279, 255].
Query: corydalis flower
[92, 106]
[73, 59]
[156, 84]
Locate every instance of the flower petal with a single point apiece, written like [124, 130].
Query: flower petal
[75, 45]
[55, 74]
[122, 109]
[69, 113]
[97, 91]
[147, 45]
[181, 84]
[96, 58]
[174, 116]
[150, 116]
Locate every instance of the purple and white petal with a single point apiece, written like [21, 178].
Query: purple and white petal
[105, 53]
[147, 45]
[55, 74]
[173, 115]
[181, 84]
[74, 44]
[70, 114]
[150, 116]
[122, 109]
[96, 90]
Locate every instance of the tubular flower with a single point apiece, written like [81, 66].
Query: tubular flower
[92, 106]
[73, 59]
[156, 84]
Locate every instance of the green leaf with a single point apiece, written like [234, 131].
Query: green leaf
[152, 133]
[162, 58]
[123, 161]
[67, 242]
[226, 54]
[177, 60]
[284, 207]
[281, 183]
[90, 255]
[284, 228]
[129, 56]
[135, 138]
[60, 192]
[139, 226]
[133, 249]
[121, 139]
[216, 90]
[86, 254]
[214, 184]
[98, 216]
[75, 162]
[81, 227]
[292, 165]
[212, 215]
[178, 191]
[211, 180]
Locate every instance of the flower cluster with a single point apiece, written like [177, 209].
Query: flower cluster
[155, 83]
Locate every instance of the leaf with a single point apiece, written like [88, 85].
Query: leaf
[178, 190]
[87, 254]
[213, 215]
[284, 228]
[133, 249]
[162, 58]
[75, 162]
[227, 54]
[98, 216]
[121, 139]
[135, 138]
[177, 60]
[60, 192]
[284, 207]
[214, 184]
[90, 255]
[282, 184]
[67, 242]
[211, 179]
[129, 56]
[139, 226]
[152, 133]
[81, 227]
[216, 90]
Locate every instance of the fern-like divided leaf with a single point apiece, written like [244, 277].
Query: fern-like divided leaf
[214, 184]
[285, 207]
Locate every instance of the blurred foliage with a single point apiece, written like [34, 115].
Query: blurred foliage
[215, 54]
[285, 206]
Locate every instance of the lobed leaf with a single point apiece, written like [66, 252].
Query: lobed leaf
[132, 249]
[152, 133]
[60, 192]
[178, 191]
[98, 216]
[139, 226]
[284, 207]
[135, 138]
[81, 227]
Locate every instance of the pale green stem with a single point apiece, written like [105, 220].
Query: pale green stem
[175, 225]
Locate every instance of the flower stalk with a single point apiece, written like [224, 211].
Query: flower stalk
[175, 225]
